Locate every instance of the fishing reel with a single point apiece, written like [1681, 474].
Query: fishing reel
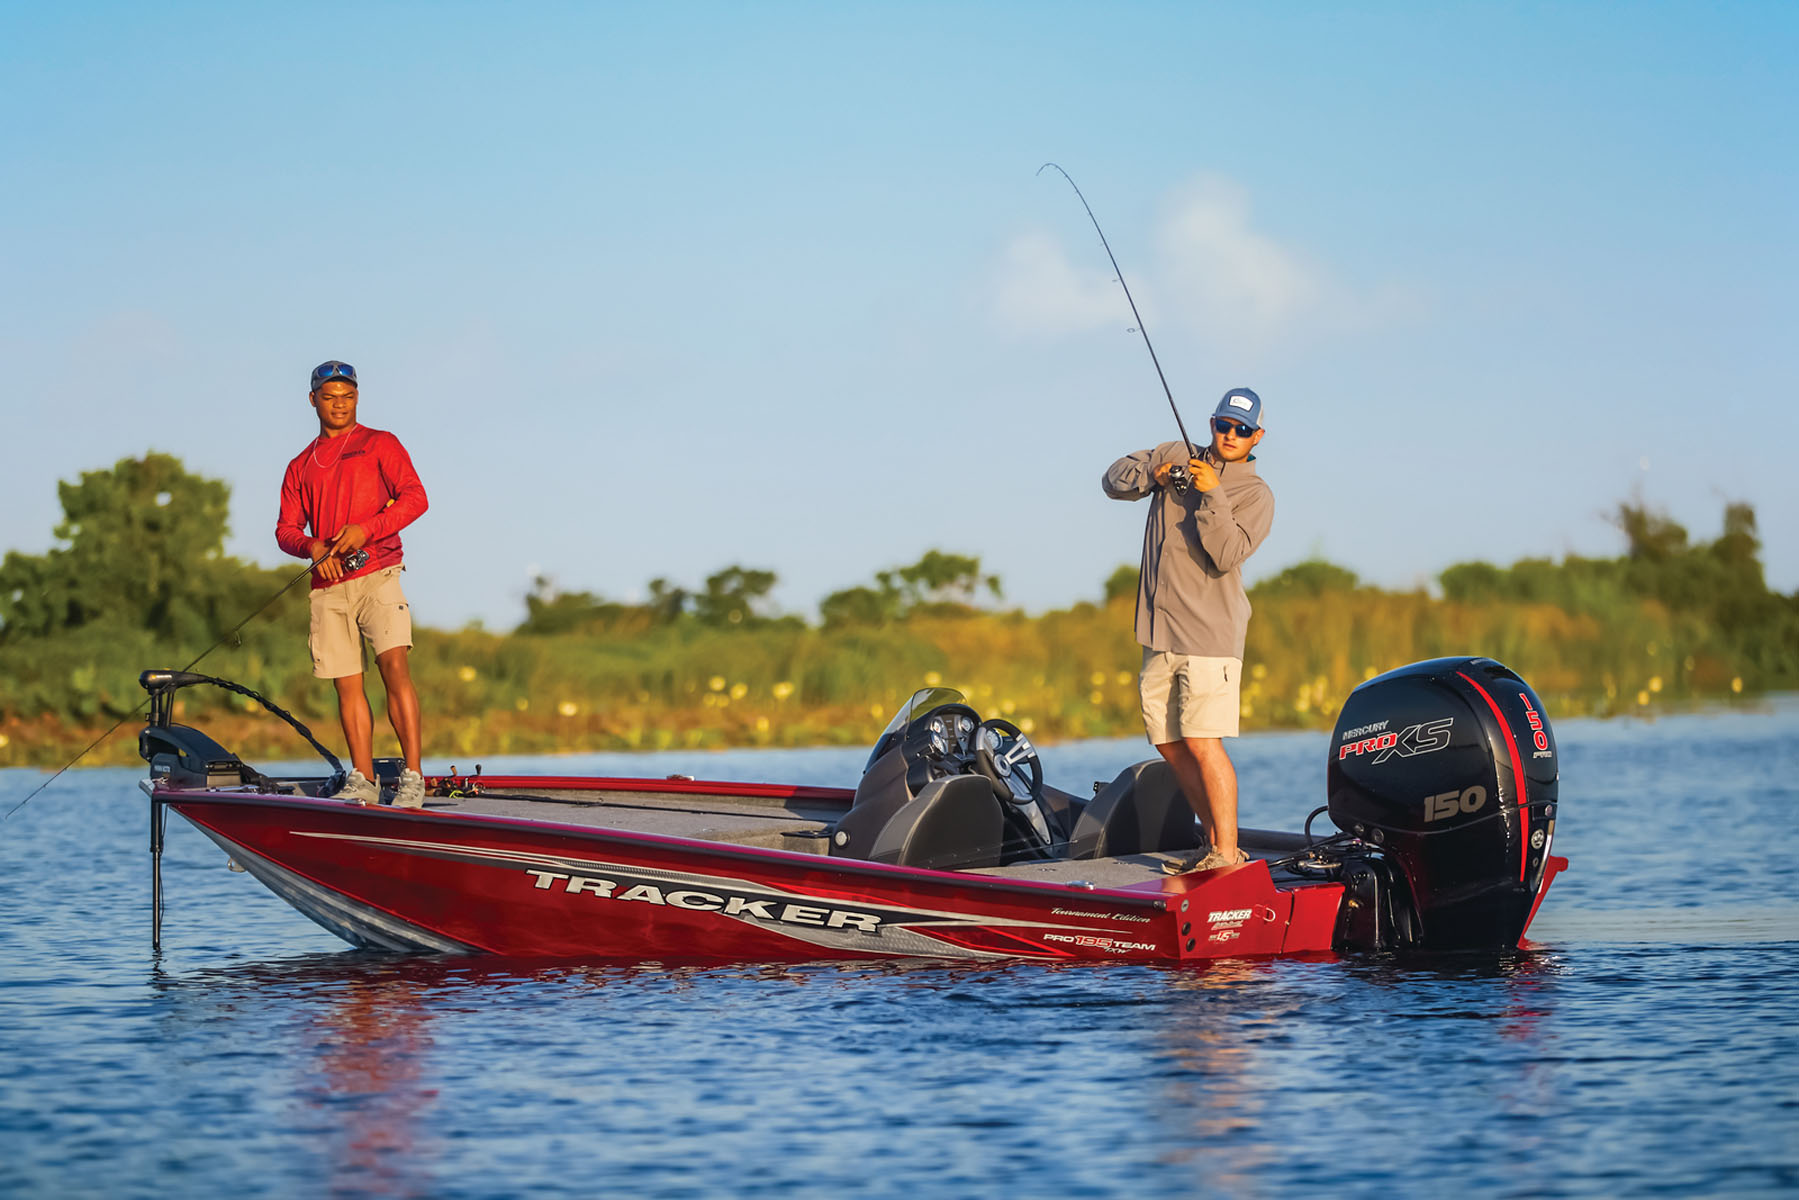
[355, 561]
[1180, 478]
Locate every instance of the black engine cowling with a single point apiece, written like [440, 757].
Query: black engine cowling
[1450, 767]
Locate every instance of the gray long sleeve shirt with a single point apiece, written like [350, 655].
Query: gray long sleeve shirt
[1190, 597]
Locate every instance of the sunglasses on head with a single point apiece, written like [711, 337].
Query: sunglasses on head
[1226, 425]
[342, 371]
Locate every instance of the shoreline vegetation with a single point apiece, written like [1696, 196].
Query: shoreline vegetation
[140, 578]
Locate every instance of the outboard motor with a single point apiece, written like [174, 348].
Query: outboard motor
[1449, 766]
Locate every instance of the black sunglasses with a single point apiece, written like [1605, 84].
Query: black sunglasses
[1226, 425]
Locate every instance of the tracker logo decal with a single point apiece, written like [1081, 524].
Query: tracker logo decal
[1226, 923]
[867, 927]
[761, 908]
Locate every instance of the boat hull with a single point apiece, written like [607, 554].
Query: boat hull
[420, 881]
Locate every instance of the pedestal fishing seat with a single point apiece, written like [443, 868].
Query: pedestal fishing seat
[1141, 811]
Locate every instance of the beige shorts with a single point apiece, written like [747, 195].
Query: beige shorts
[369, 606]
[1186, 696]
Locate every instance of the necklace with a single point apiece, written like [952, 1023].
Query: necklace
[340, 450]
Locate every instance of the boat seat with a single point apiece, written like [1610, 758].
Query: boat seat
[1140, 812]
[952, 824]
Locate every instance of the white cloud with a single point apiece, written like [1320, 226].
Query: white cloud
[1225, 276]
[1039, 290]
[1214, 276]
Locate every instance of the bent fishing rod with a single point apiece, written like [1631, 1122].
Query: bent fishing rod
[285, 588]
[1191, 453]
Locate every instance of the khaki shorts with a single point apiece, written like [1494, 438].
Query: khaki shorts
[368, 606]
[1186, 696]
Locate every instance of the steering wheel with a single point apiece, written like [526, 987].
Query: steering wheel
[1008, 760]
[1006, 757]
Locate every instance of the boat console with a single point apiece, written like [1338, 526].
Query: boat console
[946, 790]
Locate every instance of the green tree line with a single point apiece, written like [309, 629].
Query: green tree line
[139, 577]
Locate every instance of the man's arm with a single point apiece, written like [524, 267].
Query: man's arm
[408, 501]
[290, 524]
[1133, 476]
[1229, 532]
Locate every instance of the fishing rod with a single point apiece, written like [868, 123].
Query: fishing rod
[285, 588]
[1181, 480]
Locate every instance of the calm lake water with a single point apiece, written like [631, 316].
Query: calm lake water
[1649, 1044]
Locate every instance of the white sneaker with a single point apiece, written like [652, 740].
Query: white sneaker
[411, 792]
[357, 790]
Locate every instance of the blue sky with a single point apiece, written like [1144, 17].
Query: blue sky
[653, 289]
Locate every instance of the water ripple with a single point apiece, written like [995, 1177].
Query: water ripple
[1644, 1044]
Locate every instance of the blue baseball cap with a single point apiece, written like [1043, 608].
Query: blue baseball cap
[325, 372]
[1243, 405]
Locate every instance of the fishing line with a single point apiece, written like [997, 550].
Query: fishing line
[287, 587]
[1128, 299]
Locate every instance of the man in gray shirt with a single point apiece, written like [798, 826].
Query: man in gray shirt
[1192, 611]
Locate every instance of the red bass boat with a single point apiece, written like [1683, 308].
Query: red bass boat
[1441, 783]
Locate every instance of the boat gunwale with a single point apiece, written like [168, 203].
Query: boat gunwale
[1133, 897]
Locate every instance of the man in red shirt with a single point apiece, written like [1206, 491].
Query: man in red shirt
[344, 500]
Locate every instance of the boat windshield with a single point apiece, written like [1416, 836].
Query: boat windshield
[922, 702]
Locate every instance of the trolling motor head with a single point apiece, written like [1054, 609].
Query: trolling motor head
[1450, 767]
[156, 681]
[171, 748]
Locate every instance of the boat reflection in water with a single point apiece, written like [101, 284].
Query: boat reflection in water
[356, 1033]
[394, 1061]
[371, 1051]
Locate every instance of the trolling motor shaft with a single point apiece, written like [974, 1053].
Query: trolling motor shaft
[171, 748]
[158, 822]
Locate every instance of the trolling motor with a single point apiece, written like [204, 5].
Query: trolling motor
[182, 756]
[162, 685]
[1444, 775]
[188, 757]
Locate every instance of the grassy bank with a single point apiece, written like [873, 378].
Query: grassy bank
[142, 581]
[1066, 674]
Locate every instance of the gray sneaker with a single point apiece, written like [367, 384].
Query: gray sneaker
[1185, 863]
[411, 792]
[357, 790]
[1213, 860]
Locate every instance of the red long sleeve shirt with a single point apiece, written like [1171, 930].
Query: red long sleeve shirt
[363, 477]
